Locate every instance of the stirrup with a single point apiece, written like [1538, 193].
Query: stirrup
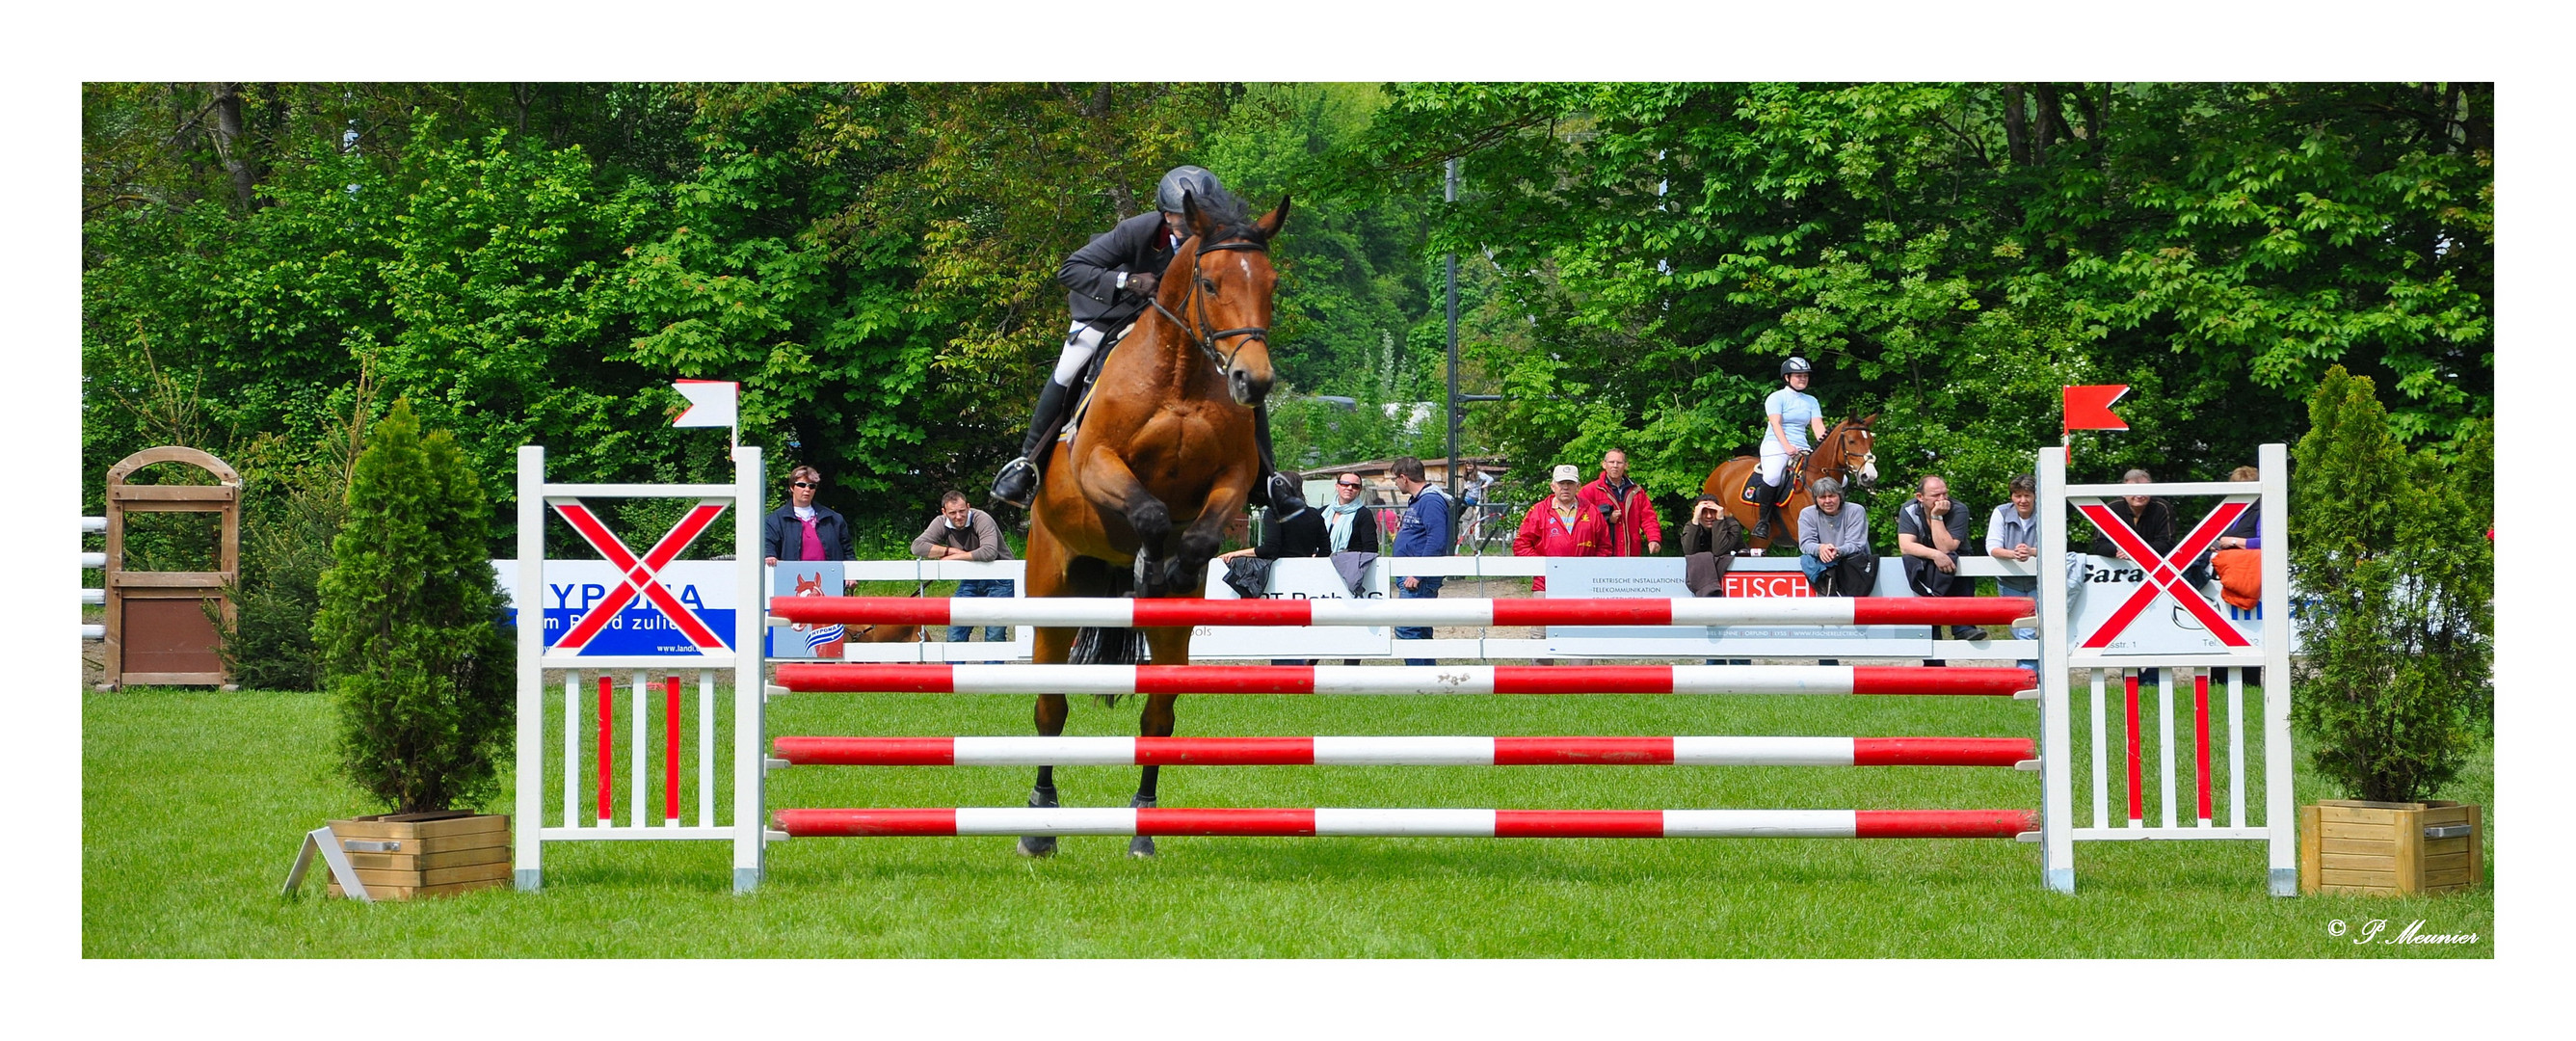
[1017, 483]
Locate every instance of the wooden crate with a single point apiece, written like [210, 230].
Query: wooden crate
[431, 854]
[2382, 849]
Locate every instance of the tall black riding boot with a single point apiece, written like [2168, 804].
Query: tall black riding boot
[1770, 520]
[1018, 482]
[1268, 488]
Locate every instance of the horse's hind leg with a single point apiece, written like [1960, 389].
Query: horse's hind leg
[1050, 647]
[1158, 721]
[1170, 647]
[1051, 715]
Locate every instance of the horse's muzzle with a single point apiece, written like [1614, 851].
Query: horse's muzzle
[1246, 388]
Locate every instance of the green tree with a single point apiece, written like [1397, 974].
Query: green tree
[409, 625]
[2394, 690]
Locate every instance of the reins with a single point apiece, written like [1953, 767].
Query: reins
[1202, 337]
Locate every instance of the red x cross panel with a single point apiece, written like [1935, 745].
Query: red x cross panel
[2163, 574]
[639, 574]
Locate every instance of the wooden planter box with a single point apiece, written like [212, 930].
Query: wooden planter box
[401, 856]
[2388, 848]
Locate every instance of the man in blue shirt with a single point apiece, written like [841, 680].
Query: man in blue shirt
[1425, 532]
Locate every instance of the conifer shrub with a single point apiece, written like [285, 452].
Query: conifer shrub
[2389, 550]
[409, 627]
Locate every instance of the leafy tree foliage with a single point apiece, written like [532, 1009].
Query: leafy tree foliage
[2394, 690]
[1949, 253]
[409, 625]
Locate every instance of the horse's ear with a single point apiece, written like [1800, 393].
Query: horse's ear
[1869, 419]
[1271, 221]
[1192, 216]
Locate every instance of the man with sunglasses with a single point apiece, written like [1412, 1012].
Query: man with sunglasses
[802, 530]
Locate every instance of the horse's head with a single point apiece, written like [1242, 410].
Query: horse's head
[809, 586]
[1231, 280]
[1853, 454]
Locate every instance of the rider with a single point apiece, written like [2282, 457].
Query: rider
[1789, 414]
[1113, 279]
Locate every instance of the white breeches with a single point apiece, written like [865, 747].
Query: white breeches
[1774, 464]
[1080, 343]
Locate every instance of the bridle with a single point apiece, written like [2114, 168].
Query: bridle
[1203, 337]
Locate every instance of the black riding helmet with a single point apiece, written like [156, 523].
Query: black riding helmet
[1193, 180]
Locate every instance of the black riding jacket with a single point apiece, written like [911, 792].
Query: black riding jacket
[1137, 244]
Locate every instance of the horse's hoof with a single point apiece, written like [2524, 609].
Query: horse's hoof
[1141, 846]
[1037, 846]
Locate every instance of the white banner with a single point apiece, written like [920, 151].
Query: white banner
[1747, 576]
[1310, 578]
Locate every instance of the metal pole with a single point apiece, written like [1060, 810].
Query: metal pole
[1450, 195]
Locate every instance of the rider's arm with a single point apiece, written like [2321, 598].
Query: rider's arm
[1092, 271]
[1817, 426]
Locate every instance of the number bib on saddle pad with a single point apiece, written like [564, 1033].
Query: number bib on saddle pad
[1791, 482]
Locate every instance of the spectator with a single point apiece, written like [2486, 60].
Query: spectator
[1833, 543]
[2247, 531]
[1932, 532]
[1702, 535]
[962, 532]
[1635, 529]
[1711, 531]
[801, 530]
[2150, 517]
[2013, 534]
[1348, 525]
[1424, 532]
[1300, 533]
[1473, 482]
[1561, 526]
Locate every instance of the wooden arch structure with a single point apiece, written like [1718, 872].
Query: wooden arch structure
[158, 631]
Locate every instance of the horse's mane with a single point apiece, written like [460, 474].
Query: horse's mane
[1230, 215]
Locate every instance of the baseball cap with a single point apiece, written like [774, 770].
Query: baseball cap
[1567, 472]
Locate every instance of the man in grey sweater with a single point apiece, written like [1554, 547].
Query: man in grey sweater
[962, 532]
[1833, 540]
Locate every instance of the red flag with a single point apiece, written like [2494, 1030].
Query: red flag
[2089, 408]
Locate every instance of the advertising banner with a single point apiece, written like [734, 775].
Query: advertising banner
[1311, 578]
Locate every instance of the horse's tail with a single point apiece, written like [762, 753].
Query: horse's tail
[1094, 646]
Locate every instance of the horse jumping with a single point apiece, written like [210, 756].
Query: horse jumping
[1136, 501]
[1844, 454]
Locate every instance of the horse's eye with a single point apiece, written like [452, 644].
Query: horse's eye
[1208, 284]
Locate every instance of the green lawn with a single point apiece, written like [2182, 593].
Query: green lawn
[193, 801]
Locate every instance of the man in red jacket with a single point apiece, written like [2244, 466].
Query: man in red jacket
[1561, 526]
[1635, 529]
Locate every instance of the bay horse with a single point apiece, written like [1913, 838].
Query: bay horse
[1163, 456]
[1844, 454]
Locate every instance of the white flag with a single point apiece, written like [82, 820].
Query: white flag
[710, 402]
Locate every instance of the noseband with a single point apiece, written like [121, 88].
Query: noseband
[1203, 337]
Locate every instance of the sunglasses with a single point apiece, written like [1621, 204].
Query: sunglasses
[803, 484]
[1346, 484]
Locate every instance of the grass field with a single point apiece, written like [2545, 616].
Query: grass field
[193, 802]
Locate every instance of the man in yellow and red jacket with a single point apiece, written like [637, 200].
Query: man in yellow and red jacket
[1635, 529]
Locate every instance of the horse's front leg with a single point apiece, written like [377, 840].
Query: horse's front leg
[1188, 567]
[1111, 488]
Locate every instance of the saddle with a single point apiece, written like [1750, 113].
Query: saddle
[1084, 384]
[1796, 481]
